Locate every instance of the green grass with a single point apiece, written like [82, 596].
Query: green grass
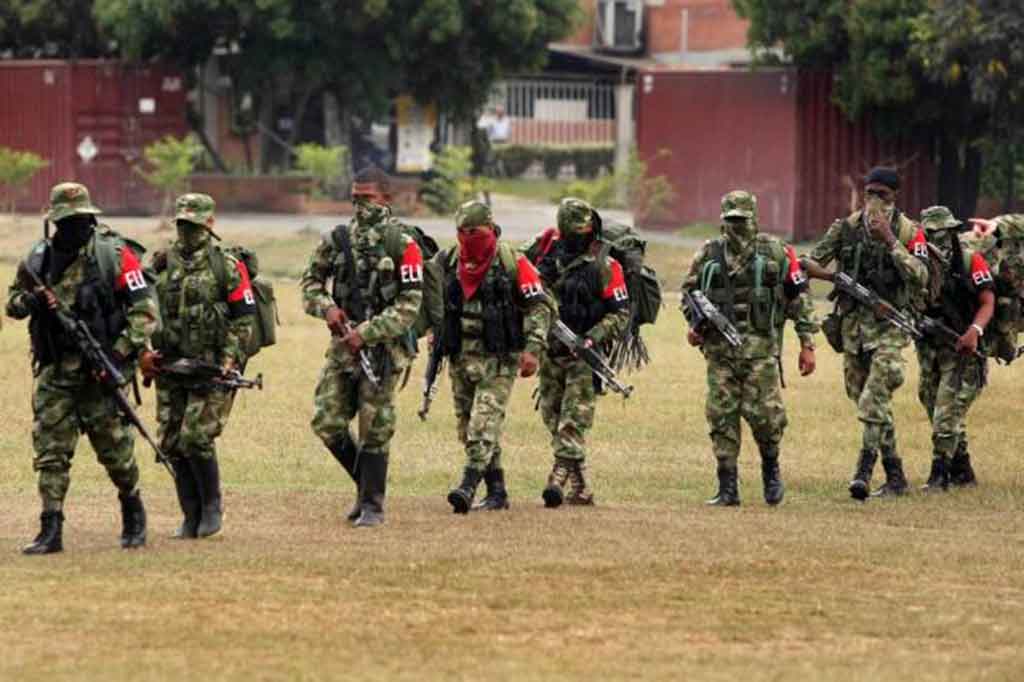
[649, 584]
[537, 190]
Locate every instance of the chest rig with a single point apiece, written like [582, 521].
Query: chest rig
[493, 316]
[577, 284]
[751, 293]
[870, 262]
[365, 279]
[194, 303]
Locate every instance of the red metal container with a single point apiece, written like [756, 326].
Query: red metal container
[91, 121]
[773, 132]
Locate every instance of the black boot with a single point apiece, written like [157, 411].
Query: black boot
[553, 493]
[347, 454]
[133, 521]
[497, 495]
[207, 473]
[461, 499]
[51, 537]
[187, 487]
[961, 473]
[373, 482]
[860, 486]
[895, 482]
[728, 489]
[774, 490]
[938, 479]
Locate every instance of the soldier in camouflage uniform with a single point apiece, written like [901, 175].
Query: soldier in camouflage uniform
[589, 286]
[953, 378]
[755, 280]
[208, 313]
[886, 252]
[496, 319]
[365, 279]
[1001, 240]
[90, 270]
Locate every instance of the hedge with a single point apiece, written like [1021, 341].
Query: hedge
[588, 159]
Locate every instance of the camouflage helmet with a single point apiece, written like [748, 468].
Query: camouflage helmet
[68, 199]
[1012, 229]
[472, 214]
[739, 204]
[937, 218]
[195, 208]
[574, 214]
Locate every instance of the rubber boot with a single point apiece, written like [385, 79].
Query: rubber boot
[187, 487]
[553, 493]
[207, 472]
[771, 478]
[497, 496]
[580, 493]
[728, 494]
[373, 483]
[461, 499]
[938, 479]
[895, 481]
[860, 486]
[133, 521]
[961, 473]
[51, 535]
[347, 454]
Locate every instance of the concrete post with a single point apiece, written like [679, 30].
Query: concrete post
[209, 91]
[624, 136]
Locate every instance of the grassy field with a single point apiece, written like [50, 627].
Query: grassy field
[649, 584]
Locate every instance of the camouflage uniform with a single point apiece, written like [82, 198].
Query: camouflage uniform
[512, 299]
[746, 381]
[873, 362]
[386, 273]
[209, 319]
[1005, 253]
[950, 382]
[590, 289]
[67, 399]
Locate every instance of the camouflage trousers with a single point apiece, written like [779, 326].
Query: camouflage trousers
[66, 404]
[949, 386]
[481, 388]
[343, 394]
[567, 404]
[871, 378]
[191, 420]
[743, 387]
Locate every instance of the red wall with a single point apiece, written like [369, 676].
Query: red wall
[50, 107]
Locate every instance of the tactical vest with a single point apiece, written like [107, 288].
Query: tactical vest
[957, 303]
[195, 308]
[753, 298]
[870, 262]
[95, 301]
[578, 287]
[363, 292]
[501, 316]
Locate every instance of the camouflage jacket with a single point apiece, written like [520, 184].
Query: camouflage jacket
[384, 254]
[788, 290]
[131, 292]
[203, 316]
[862, 329]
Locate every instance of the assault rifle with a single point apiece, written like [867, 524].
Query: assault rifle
[934, 328]
[104, 369]
[699, 311]
[210, 375]
[872, 301]
[594, 359]
[365, 361]
[434, 362]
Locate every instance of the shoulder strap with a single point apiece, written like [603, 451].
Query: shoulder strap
[509, 260]
[218, 262]
[105, 254]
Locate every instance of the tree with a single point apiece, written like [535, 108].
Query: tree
[31, 29]
[16, 170]
[875, 50]
[171, 161]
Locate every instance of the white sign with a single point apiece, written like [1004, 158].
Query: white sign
[415, 133]
[87, 149]
[147, 105]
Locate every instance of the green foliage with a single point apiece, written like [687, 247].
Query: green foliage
[171, 161]
[450, 182]
[589, 160]
[33, 29]
[327, 165]
[17, 169]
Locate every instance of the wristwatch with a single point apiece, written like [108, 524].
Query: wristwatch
[981, 330]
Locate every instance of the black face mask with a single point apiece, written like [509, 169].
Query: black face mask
[576, 243]
[73, 233]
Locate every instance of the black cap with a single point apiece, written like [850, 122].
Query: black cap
[880, 175]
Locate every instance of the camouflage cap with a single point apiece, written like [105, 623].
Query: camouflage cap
[472, 214]
[68, 199]
[739, 204]
[573, 214]
[1011, 227]
[195, 208]
[935, 218]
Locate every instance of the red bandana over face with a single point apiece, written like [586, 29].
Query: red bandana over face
[476, 251]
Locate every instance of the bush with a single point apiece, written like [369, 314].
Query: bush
[171, 161]
[16, 170]
[449, 182]
[327, 165]
[589, 160]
